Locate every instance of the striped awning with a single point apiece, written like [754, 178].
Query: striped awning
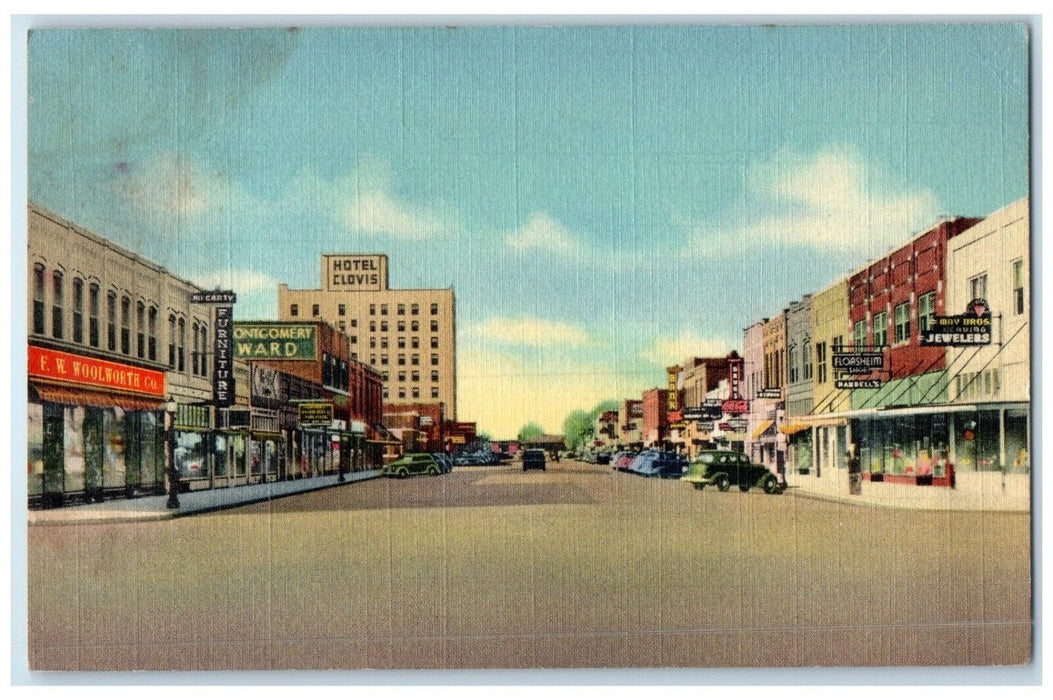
[71, 396]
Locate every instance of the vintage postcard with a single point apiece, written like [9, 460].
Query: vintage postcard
[506, 346]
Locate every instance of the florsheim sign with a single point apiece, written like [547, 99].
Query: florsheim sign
[275, 341]
[971, 328]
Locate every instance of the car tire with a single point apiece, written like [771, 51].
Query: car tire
[771, 484]
[723, 482]
[698, 486]
[744, 487]
[433, 471]
[402, 473]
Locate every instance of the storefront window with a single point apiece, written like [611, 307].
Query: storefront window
[151, 444]
[239, 455]
[73, 454]
[113, 467]
[35, 455]
[988, 456]
[219, 456]
[1017, 454]
[189, 454]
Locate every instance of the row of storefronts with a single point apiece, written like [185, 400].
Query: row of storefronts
[140, 382]
[916, 367]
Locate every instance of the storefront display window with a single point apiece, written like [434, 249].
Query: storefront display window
[239, 455]
[35, 456]
[113, 467]
[219, 456]
[189, 452]
[151, 447]
[988, 449]
[73, 448]
[1017, 452]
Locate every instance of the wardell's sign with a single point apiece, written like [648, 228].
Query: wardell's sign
[971, 328]
[87, 371]
[275, 341]
[355, 272]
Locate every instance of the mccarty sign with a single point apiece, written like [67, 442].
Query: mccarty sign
[275, 341]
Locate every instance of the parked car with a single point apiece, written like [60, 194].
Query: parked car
[603, 458]
[416, 463]
[444, 460]
[722, 468]
[621, 460]
[534, 459]
[667, 465]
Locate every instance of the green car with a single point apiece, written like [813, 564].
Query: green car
[419, 463]
[722, 468]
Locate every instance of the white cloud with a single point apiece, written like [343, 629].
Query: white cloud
[546, 233]
[534, 332]
[666, 351]
[170, 183]
[240, 281]
[376, 211]
[829, 201]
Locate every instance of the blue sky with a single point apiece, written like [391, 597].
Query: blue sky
[605, 201]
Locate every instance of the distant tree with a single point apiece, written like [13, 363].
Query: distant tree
[603, 407]
[530, 430]
[577, 429]
[485, 437]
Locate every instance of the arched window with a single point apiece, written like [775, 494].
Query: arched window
[56, 304]
[78, 310]
[38, 299]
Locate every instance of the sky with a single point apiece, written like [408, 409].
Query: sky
[606, 201]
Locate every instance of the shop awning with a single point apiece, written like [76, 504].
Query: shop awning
[793, 428]
[95, 397]
[762, 428]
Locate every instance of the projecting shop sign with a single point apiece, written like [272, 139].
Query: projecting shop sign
[858, 362]
[315, 413]
[275, 341]
[971, 328]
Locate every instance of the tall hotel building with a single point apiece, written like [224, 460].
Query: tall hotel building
[408, 335]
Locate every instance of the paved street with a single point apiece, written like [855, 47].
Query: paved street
[575, 567]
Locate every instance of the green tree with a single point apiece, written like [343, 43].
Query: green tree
[530, 430]
[577, 429]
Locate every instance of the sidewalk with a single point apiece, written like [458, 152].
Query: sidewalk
[986, 491]
[155, 507]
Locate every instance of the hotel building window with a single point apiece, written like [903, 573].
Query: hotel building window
[415, 392]
[93, 315]
[384, 360]
[38, 299]
[78, 310]
[434, 342]
[402, 392]
[435, 392]
[383, 326]
[881, 329]
[402, 326]
[294, 309]
[56, 305]
[383, 309]
[372, 309]
[415, 359]
[434, 309]
[402, 359]
[415, 326]
[402, 309]
[414, 309]
[415, 376]
[434, 326]
[902, 321]
[402, 375]
[435, 360]
[402, 341]
[341, 309]
[314, 310]
[415, 342]
[435, 375]
[383, 342]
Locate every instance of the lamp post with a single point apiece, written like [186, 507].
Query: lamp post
[173, 471]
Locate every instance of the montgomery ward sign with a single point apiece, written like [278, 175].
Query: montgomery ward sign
[275, 341]
[971, 328]
[77, 369]
[355, 272]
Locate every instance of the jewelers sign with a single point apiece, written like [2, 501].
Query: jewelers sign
[971, 328]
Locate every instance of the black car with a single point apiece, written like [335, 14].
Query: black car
[534, 459]
[722, 468]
